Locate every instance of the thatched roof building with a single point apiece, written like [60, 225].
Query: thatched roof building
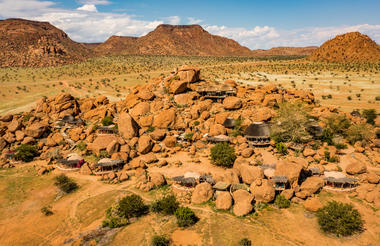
[258, 134]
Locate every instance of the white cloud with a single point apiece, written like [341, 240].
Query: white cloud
[191, 20]
[172, 20]
[95, 2]
[88, 7]
[86, 24]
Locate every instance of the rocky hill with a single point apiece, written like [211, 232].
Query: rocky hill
[25, 43]
[286, 51]
[180, 40]
[349, 47]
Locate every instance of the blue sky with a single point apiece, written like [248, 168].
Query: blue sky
[255, 24]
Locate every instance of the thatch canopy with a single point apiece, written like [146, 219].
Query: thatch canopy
[107, 162]
[280, 179]
[229, 123]
[190, 181]
[257, 129]
[219, 138]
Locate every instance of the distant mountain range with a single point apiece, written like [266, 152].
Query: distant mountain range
[25, 43]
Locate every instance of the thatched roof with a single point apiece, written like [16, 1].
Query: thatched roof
[229, 123]
[107, 162]
[257, 129]
[280, 179]
[67, 162]
[219, 138]
[190, 181]
[346, 180]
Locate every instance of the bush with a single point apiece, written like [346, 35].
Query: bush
[46, 211]
[114, 218]
[82, 146]
[359, 132]
[167, 205]
[189, 136]
[340, 219]
[281, 148]
[281, 202]
[185, 217]
[222, 154]
[160, 241]
[132, 206]
[245, 242]
[338, 124]
[107, 121]
[370, 115]
[26, 152]
[291, 124]
[65, 184]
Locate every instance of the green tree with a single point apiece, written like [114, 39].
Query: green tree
[132, 206]
[26, 152]
[370, 115]
[185, 217]
[222, 154]
[340, 219]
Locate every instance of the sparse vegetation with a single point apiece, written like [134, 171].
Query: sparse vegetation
[160, 241]
[370, 115]
[290, 124]
[26, 152]
[222, 154]
[132, 206]
[185, 217]
[65, 183]
[281, 148]
[46, 211]
[245, 242]
[281, 202]
[166, 205]
[107, 121]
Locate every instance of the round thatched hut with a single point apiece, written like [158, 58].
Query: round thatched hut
[258, 134]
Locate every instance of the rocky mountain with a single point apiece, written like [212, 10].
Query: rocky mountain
[286, 51]
[180, 40]
[25, 43]
[349, 47]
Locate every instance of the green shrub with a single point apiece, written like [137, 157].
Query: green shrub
[370, 115]
[132, 206]
[245, 242]
[107, 121]
[47, 211]
[150, 129]
[82, 146]
[222, 154]
[281, 202]
[167, 205]
[359, 132]
[185, 217]
[65, 184]
[340, 219]
[189, 136]
[290, 124]
[114, 218]
[281, 148]
[160, 241]
[26, 152]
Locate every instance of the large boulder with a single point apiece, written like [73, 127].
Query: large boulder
[289, 169]
[250, 173]
[217, 129]
[157, 179]
[232, 103]
[164, 119]
[178, 86]
[101, 142]
[188, 73]
[170, 141]
[144, 145]
[158, 134]
[202, 193]
[127, 126]
[223, 201]
[263, 191]
[242, 208]
[113, 147]
[145, 94]
[312, 184]
[3, 143]
[231, 176]
[14, 126]
[313, 204]
[140, 109]
[36, 130]
[243, 202]
[356, 167]
[241, 196]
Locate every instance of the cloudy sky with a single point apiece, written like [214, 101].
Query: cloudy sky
[257, 24]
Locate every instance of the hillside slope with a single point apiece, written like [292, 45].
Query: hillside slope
[286, 51]
[25, 43]
[348, 47]
[179, 40]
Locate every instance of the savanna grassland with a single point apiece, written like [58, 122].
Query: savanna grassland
[346, 86]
